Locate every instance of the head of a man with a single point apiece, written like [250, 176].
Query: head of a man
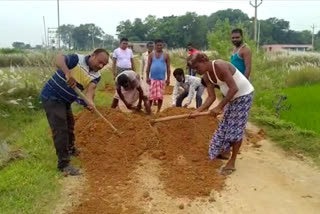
[124, 81]
[150, 46]
[158, 45]
[98, 59]
[179, 74]
[237, 37]
[190, 47]
[199, 62]
[124, 43]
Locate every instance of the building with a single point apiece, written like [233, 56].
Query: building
[289, 47]
[138, 47]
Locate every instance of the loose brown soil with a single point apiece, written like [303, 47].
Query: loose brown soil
[168, 90]
[109, 160]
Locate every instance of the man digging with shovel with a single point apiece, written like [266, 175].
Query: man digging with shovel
[74, 72]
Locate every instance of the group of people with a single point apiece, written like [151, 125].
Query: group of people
[129, 87]
[132, 89]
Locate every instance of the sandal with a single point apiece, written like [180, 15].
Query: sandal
[227, 171]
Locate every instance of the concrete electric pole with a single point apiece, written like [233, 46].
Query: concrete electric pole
[255, 5]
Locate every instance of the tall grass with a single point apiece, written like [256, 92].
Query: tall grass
[10, 51]
[305, 75]
[35, 58]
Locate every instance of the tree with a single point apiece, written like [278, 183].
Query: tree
[18, 45]
[108, 42]
[87, 36]
[27, 46]
[193, 29]
[65, 32]
[151, 24]
[219, 40]
[139, 31]
[124, 29]
[235, 16]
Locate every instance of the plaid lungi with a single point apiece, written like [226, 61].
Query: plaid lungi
[156, 89]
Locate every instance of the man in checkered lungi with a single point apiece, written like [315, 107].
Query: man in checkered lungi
[159, 66]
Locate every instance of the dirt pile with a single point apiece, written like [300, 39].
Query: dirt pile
[109, 161]
[168, 90]
[187, 171]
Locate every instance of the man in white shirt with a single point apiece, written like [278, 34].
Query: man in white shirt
[144, 62]
[144, 59]
[122, 58]
[190, 85]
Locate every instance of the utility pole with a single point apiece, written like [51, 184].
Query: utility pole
[45, 32]
[58, 23]
[255, 5]
[313, 27]
[258, 42]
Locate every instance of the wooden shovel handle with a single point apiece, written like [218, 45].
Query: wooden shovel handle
[77, 90]
[178, 117]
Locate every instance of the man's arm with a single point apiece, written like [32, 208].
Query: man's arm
[61, 63]
[145, 100]
[140, 95]
[247, 61]
[148, 67]
[228, 79]
[114, 67]
[142, 66]
[192, 90]
[91, 93]
[211, 95]
[168, 69]
[175, 93]
[132, 64]
[129, 106]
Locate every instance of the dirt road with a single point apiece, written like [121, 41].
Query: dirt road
[267, 181]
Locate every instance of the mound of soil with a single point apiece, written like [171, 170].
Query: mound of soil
[168, 90]
[109, 160]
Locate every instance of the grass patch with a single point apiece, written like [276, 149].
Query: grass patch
[287, 135]
[30, 185]
[304, 110]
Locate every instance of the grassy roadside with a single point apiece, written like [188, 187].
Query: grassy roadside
[30, 184]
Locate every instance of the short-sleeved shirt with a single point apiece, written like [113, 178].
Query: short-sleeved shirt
[57, 86]
[191, 84]
[123, 57]
[133, 77]
[193, 52]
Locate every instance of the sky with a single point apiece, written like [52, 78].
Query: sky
[23, 20]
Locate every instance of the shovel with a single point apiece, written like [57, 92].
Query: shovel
[77, 90]
[177, 117]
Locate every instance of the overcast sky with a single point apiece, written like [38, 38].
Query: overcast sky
[23, 20]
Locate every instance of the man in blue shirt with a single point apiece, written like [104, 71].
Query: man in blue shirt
[58, 94]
